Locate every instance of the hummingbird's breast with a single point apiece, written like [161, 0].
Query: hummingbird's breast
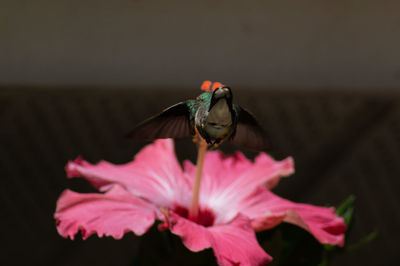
[220, 114]
[216, 124]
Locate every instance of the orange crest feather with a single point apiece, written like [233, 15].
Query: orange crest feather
[209, 86]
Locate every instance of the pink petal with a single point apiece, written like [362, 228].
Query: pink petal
[194, 236]
[228, 180]
[233, 244]
[267, 210]
[326, 227]
[112, 214]
[236, 244]
[155, 174]
[267, 222]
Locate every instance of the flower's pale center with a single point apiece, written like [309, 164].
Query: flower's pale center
[205, 217]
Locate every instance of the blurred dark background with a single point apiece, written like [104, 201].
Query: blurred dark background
[323, 78]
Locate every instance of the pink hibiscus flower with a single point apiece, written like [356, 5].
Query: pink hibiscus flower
[235, 201]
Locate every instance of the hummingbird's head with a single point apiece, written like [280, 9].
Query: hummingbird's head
[219, 93]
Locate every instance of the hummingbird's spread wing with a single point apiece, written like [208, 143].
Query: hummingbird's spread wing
[172, 122]
[249, 133]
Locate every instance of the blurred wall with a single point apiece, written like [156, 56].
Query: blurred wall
[259, 44]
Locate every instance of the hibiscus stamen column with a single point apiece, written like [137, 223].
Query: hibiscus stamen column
[194, 206]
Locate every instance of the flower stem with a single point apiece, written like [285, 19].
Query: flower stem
[194, 206]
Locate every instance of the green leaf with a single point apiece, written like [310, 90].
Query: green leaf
[346, 209]
[363, 241]
[328, 247]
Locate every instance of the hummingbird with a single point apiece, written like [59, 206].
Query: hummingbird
[211, 116]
